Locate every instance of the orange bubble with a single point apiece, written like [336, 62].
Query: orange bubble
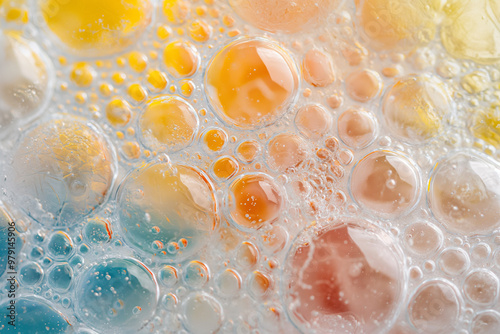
[283, 15]
[363, 85]
[225, 167]
[181, 59]
[248, 150]
[286, 151]
[253, 201]
[357, 128]
[318, 68]
[215, 139]
[313, 121]
[168, 123]
[251, 83]
[157, 80]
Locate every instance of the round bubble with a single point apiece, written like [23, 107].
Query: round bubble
[33, 316]
[464, 193]
[60, 277]
[116, 295]
[60, 246]
[167, 211]
[202, 314]
[61, 171]
[30, 274]
[435, 307]
[344, 277]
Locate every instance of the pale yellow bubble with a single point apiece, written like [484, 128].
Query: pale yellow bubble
[168, 123]
[415, 108]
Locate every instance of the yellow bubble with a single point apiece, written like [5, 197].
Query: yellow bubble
[415, 108]
[82, 74]
[176, 11]
[486, 125]
[470, 30]
[168, 123]
[398, 25]
[97, 28]
[157, 80]
[137, 92]
[283, 15]
[131, 150]
[251, 83]
[248, 150]
[181, 59]
[138, 61]
[200, 31]
[118, 112]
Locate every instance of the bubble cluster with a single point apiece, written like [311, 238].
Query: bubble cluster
[237, 166]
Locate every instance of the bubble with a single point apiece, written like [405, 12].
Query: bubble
[454, 261]
[313, 121]
[480, 252]
[229, 283]
[318, 68]
[262, 85]
[399, 25]
[181, 59]
[97, 231]
[169, 123]
[485, 125]
[168, 276]
[60, 246]
[196, 274]
[481, 287]
[416, 108]
[259, 284]
[202, 314]
[286, 151]
[60, 277]
[156, 80]
[61, 171]
[253, 200]
[435, 307]
[215, 139]
[108, 304]
[247, 255]
[95, 28]
[30, 274]
[274, 240]
[26, 82]
[200, 31]
[470, 30]
[82, 74]
[486, 322]
[363, 85]
[342, 278]
[423, 239]
[464, 193]
[225, 167]
[118, 112]
[386, 183]
[357, 128]
[34, 316]
[248, 151]
[283, 15]
[179, 200]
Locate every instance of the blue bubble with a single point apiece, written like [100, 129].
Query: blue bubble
[33, 316]
[116, 295]
[30, 274]
[60, 246]
[60, 277]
